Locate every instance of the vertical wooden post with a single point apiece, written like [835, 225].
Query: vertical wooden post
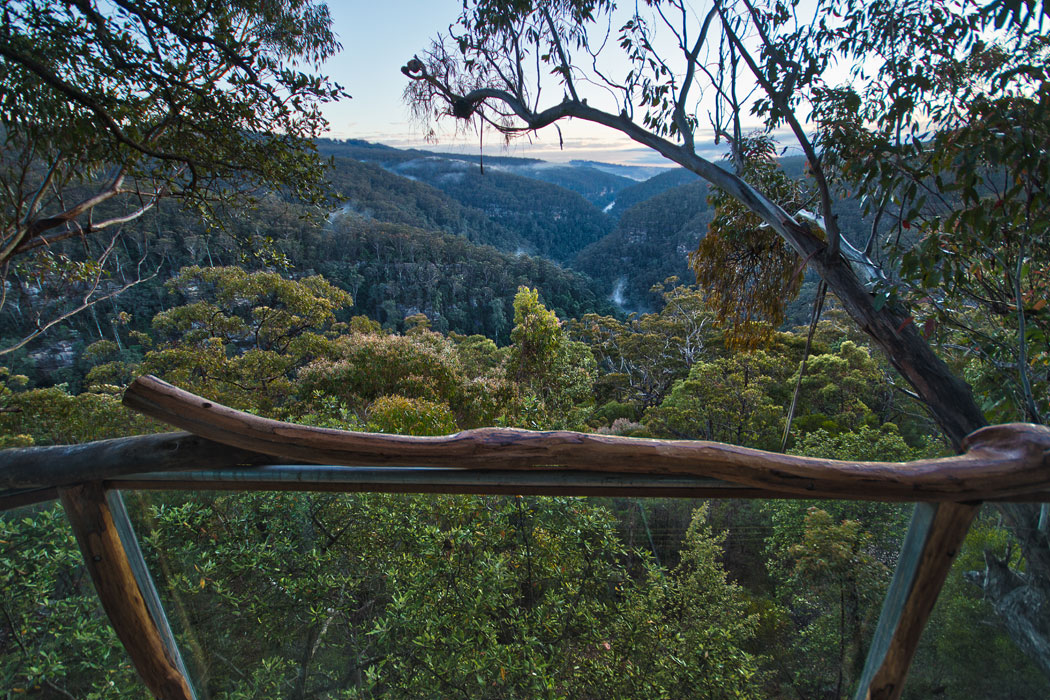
[934, 537]
[126, 531]
[119, 591]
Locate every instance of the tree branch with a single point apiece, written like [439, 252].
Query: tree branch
[691, 59]
[82, 98]
[86, 302]
[566, 67]
[831, 225]
[39, 240]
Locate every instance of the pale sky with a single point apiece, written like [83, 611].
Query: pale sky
[380, 36]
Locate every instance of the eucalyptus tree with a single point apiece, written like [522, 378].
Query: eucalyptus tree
[641, 358]
[110, 107]
[914, 102]
[243, 335]
[494, 68]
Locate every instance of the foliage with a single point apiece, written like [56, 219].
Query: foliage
[964, 626]
[885, 522]
[394, 271]
[960, 132]
[401, 416]
[321, 598]
[109, 110]
[476, 597]
[269, 585]
[501, 602]
[954, 114]
[942, 126]
[8, 384]
[262, 310]
[54, 637]
[642, 357]
[363, 367]
[243, 335]
[680, 633]
[847, 384]
[399, 247]
[728, 399]
[751, 272]
[651, 242]
[829, 561]
[53, 416]
[836, 586]
[536, 336]
[428, 597]
[554, 374]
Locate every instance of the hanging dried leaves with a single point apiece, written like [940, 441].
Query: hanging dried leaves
[749, 272]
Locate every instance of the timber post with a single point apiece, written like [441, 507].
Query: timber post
[936, 533]
[120, 592]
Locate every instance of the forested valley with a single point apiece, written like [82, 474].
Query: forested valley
[405, 311]
[352, 285]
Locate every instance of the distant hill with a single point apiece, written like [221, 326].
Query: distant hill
[555, 222]
[596, 182]
[637, 173]
[629, 196]
[375, 193]
[650, 243]
[593, 184]
[422, 231]
[377, 152]
[650, 226]
[535, 207]
[394, 271]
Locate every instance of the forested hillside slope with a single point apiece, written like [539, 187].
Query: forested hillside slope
[652, 241]
[387, 240]
[398, 244]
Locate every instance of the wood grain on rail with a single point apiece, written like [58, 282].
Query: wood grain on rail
[1000, 461]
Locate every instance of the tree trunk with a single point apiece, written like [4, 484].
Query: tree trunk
[1022, 603]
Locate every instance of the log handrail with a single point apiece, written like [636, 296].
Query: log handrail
[1004, 462]
[1001, 461]
[61, 465]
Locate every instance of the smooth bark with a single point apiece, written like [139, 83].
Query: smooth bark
[1000, 461]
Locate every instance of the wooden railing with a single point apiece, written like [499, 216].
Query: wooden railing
[230, 449]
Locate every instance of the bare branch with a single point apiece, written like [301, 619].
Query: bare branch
[566, 67]
[692, 57]
[1031, 409]
[86, 302]
[87, 230]
[780, 101]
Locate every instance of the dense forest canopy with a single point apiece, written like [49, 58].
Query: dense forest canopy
[168, 208]
[533, 593]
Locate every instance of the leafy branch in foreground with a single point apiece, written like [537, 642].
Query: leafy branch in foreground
[110, 108]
